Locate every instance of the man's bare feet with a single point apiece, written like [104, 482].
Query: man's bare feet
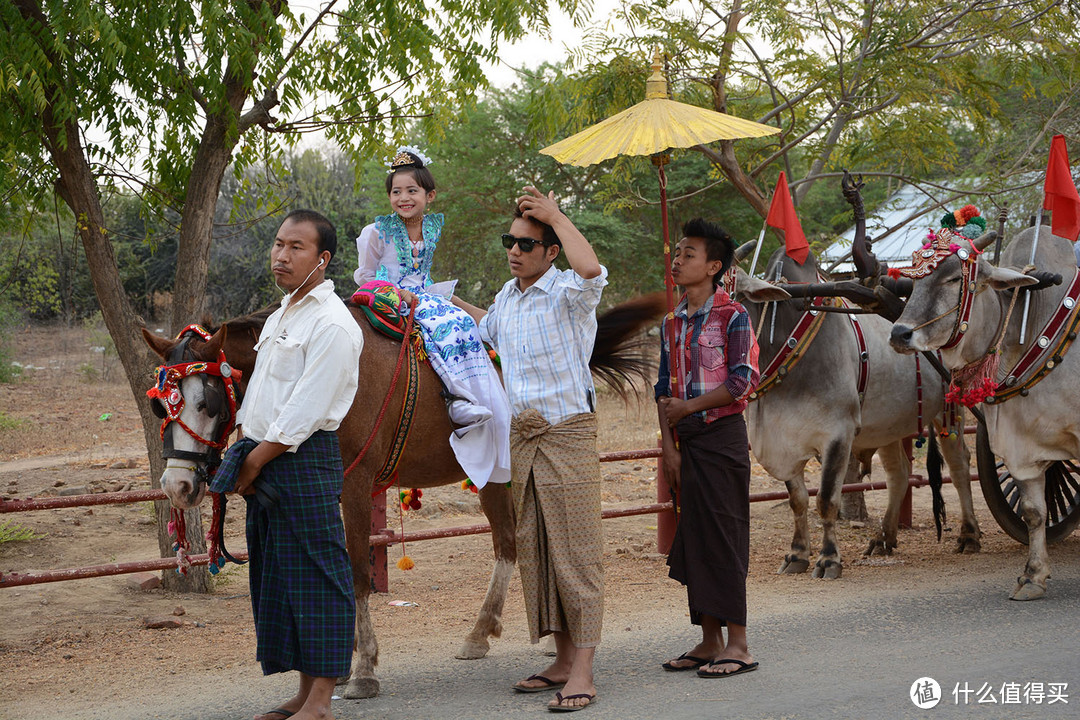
[278, 713]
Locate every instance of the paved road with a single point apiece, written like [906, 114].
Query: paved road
[858, 663]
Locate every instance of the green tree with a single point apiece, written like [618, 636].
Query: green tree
[900, 91]
[163, 97]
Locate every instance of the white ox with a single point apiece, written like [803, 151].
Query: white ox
[816, 412]
[1028, 432]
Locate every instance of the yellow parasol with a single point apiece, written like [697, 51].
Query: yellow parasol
[652, 127]
[655, 125]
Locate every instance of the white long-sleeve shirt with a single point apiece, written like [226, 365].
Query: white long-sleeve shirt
[306, 370]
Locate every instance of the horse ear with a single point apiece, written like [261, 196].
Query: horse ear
[161, 345]
[213, 346]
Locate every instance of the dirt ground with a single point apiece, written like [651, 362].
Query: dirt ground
[65, 429]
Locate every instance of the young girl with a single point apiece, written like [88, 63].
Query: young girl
[399, 248]
[709, 469]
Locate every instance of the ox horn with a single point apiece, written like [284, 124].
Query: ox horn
[983, 241]
[743, 251]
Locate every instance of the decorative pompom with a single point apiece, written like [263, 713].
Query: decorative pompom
[948, 221]
[971, 231]
[978, 220]
[920, 441]
[894, 273]
[467, 484]
[964, 214]
[405, 563]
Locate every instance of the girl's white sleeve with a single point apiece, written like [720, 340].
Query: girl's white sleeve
[369, 251]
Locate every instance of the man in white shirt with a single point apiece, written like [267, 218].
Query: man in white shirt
[543, 324]
[303, 384]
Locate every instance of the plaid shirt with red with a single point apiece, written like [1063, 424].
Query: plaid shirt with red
[717, 347]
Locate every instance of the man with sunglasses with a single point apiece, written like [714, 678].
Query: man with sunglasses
[543, 324]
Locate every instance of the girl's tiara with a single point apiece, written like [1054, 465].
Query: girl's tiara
[408, 156]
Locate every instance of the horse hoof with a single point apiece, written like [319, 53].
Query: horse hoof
[1028, 590]
[359, 688]
[793, 566]
[472, 650]
[828, 570]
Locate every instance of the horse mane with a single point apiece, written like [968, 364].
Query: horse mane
[251, 321]
[621, 352]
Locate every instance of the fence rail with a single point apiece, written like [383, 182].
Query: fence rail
[381, 537]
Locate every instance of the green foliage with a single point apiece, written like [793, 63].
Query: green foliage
[10, 423]
[13, 532]
[912, 92]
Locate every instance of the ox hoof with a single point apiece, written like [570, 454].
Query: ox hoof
[878, 547]
[472, 650]
[793, 566]
[1027, 589]
[828, 570]
[359, 688]
[968, 546]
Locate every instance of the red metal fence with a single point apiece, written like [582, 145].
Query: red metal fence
[381, 536]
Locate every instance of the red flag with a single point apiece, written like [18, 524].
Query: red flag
[1060, 196]
[782, 217]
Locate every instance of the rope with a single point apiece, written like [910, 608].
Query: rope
[390, 392]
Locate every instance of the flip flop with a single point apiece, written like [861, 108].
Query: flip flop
[279, 711]
[572, 708]
[549, 684]
[743, 668]
[697, 662]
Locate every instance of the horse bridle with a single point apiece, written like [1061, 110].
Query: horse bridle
[167, 402]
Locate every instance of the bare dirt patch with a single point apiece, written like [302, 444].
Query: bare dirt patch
[71, 636]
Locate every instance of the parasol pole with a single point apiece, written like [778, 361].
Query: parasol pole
[660, 160]
[757, 248]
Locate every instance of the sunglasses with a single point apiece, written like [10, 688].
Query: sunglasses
[526, 244]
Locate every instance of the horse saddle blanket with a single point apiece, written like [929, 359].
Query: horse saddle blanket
[381, 303]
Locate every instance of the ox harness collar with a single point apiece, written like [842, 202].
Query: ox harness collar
[804, 332]
[1046, 352]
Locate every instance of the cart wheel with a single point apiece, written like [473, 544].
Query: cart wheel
[1003, 495]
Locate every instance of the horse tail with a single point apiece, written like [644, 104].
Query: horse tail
[621, 352]
[934, 464]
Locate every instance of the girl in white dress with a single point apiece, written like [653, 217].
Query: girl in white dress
[399, 248]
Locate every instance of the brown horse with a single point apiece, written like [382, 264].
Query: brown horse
[427, 460]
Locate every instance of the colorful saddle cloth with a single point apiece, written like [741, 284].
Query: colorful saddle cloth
[381, 303]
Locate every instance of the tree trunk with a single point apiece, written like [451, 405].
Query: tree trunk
[78, 189]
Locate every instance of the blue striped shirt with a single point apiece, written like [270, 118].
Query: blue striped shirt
[545, 336]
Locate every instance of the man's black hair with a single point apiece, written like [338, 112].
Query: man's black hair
[549, 236]
[718, 244]
[326, 230]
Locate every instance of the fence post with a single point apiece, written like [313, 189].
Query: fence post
[665, 520]
[904, 521]
[380, 578]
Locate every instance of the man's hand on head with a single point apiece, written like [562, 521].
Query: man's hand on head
[537, 206]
